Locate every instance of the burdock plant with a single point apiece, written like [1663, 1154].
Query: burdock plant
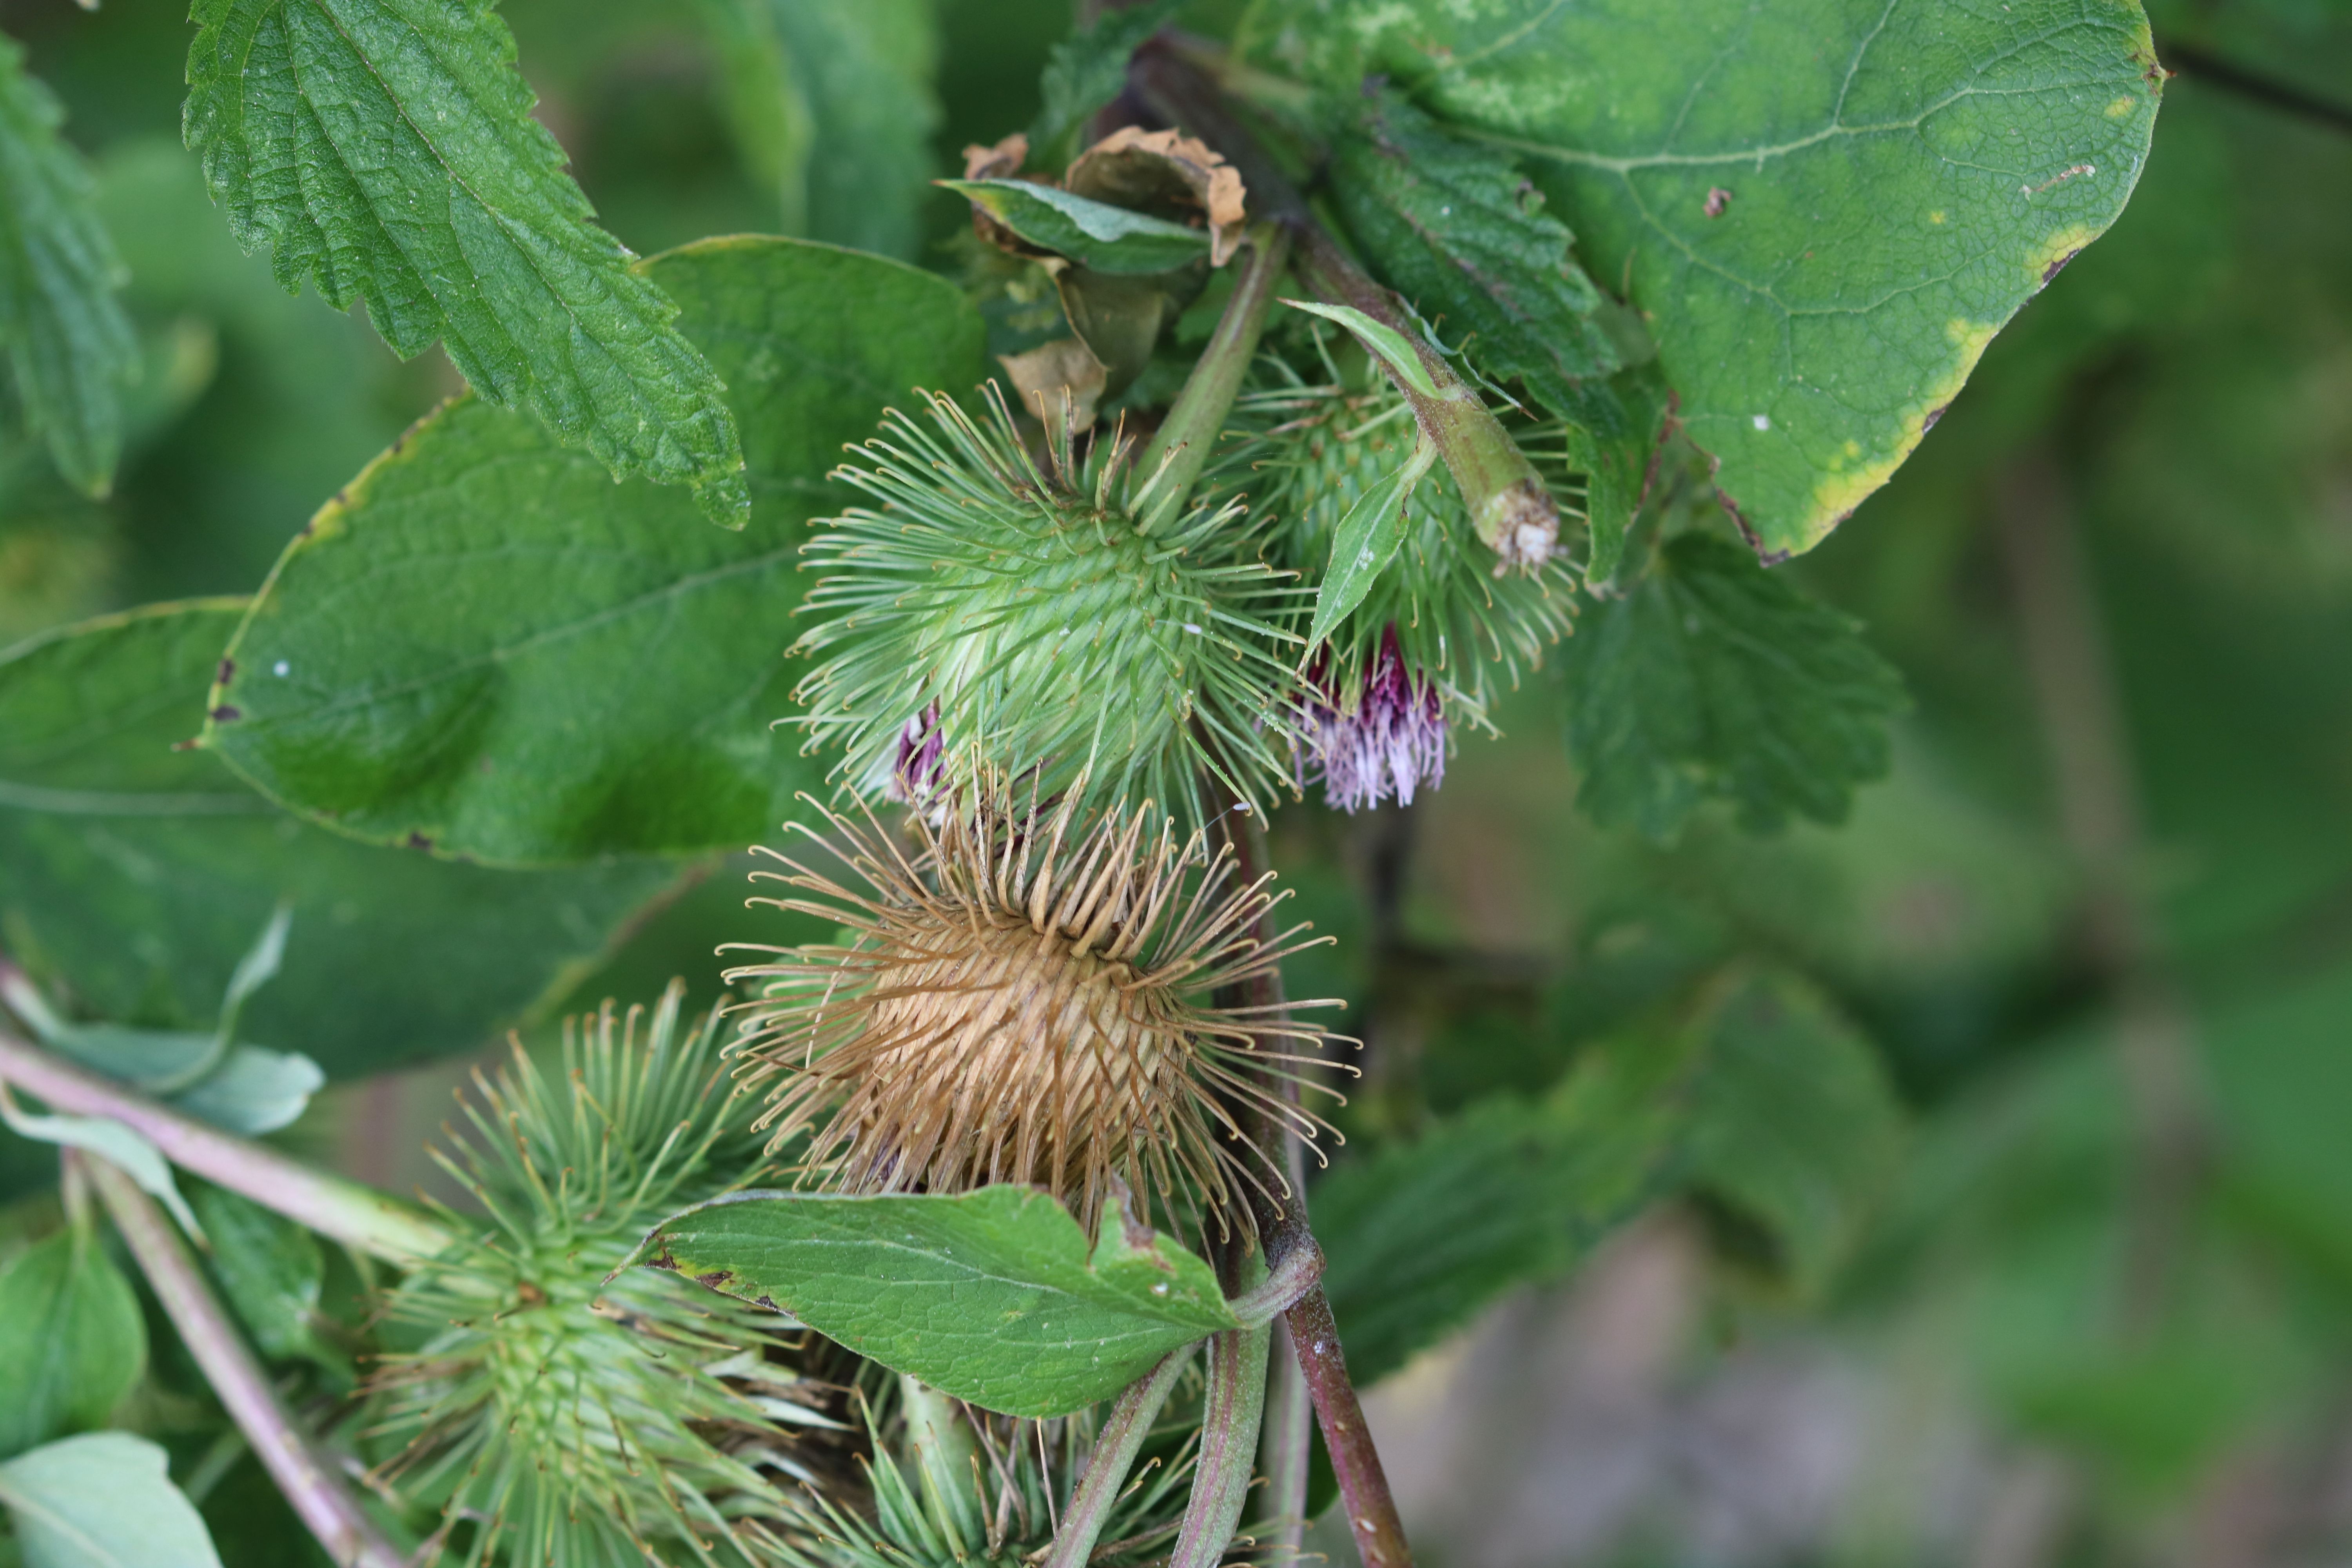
[1029, 997]
[558, 1408]
[912, 1267]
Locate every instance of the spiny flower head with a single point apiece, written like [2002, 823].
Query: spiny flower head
[1028, 997]
[1310, 452]
[1389, 742]
[1052, 634]
[560, 1417]
[951, 1486]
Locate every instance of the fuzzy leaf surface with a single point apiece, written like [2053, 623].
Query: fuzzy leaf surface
[1714, 679]
[1096, 235]
[1421, 1235]
[1457, 229]
[70, 347]
[270, 1269]
[1794, 1125]
[832, 104]
[1088, 69]
[483, 646]
[104, 1500]
[992, 1296]
[72, 1341]
[1823, 209]
[385, 150]
[106, 828]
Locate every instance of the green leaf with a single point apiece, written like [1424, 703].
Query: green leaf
[1088, 69]
[135, 874]
[1421, 1236]
[112, 1140]
[245, 1089]
[1391, 347]
[270, 1269]
[105, 1500]
[72, 1341]
[832, 104]
[385, 151]
[1793, 1124]
[1614, 431]
[484, 646]
[1822, 213]
[70, 347]
[1365, 540]
[1457, 229]
[1096, 235]
[991, 1296]
[1714, 679]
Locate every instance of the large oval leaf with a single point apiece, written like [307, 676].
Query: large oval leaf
[992, 1296]
[138, 872]
[486, 647]
[1823, 208]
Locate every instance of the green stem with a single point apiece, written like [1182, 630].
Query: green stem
[1116, 1446]
[345, 1211]
[1187, 437]
[946, 1459]
[1230, 1414]
[1511, 506]
[1284, 1452]
[308, 1477]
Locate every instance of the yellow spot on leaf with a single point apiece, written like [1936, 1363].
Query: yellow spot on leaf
[2055, 248]
[1936, 217]
[1840, 491]
[2121, 109]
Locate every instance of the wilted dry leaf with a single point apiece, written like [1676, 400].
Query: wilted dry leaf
[1060, 376]
[1167, 174]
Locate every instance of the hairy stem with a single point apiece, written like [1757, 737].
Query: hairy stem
[1230, 1414]
[1188, 436]
[310, 1480]
[356, 1216]
[1284, 1452]
[1314, 1339]
[1511, 506]
[1116, 1446]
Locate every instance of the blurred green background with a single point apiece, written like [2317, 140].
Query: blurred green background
[2097, 926]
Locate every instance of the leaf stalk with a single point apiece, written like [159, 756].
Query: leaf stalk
[1116, 1446]
[308, 1476]
[356, 1216]
[1187, 437]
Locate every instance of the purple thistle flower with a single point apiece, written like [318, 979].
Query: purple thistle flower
[1392, 743]
[917, 771]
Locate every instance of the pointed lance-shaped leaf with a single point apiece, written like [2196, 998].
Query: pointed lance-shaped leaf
[386, 150]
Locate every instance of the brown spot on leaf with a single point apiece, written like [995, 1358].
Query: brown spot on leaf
[714, 1280]
[224, 714]
[1938, 412]
[227, 672]
[768, 1302]
[2053, 271]
[1718, 200]
[419, 841]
